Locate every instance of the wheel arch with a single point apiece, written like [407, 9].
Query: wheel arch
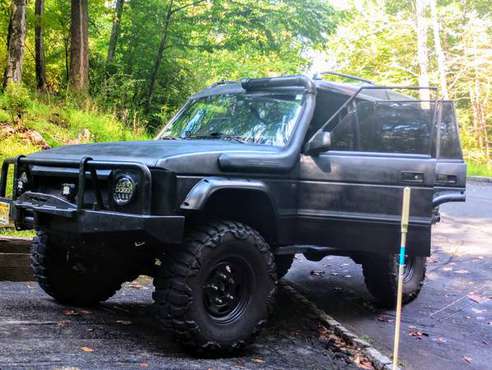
[243, 200]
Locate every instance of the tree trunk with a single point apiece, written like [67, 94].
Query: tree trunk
[115, 32]
[160, 53]
[39, 46]
[441, 59]
[422, 54]
[79, 46]
[15, 43]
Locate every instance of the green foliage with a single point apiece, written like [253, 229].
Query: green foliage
[379, 43]
[15, 101]
[59, 123]
[479, 169]
[207, 41]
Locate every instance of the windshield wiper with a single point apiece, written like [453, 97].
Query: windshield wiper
[219, 135]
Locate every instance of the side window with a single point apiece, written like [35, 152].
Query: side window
[395, 127]
[343, 134]
[450, 143]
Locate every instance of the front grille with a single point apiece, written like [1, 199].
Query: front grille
[54, 185]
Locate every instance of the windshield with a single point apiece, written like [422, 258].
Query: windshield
[249, 118]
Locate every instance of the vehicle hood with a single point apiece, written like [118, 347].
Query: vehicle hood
[155, 153]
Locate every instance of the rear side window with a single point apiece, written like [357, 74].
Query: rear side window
[448, 130]
[395, 127]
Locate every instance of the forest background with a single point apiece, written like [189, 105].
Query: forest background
[78, 71]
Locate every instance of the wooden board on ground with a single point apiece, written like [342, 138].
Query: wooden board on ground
[15, 259]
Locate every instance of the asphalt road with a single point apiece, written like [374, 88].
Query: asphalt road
[35, 332]
[449, 326]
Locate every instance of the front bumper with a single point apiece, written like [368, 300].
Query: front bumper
[57, 214]
[33, 209]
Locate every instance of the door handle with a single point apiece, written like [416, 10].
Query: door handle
[446, 179]
[412, 177]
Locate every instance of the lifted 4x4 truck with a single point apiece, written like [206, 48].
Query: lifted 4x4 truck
[246, 175]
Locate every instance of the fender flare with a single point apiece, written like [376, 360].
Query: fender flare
[205, 188]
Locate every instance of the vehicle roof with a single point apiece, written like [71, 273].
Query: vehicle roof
[234, 87]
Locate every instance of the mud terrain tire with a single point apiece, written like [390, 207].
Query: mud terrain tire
[64, 282]
[216, 260]
[381, 276]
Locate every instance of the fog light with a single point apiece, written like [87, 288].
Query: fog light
[124, 189]
[22, 182]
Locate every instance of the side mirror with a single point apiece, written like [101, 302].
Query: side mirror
[320, 142]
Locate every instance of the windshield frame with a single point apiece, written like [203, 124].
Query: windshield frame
[276, 92]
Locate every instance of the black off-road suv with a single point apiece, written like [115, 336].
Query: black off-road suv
[246, 175]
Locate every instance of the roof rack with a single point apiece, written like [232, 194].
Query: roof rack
[317, 76]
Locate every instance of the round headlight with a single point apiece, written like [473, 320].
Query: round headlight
[22, 182]
[123, 191]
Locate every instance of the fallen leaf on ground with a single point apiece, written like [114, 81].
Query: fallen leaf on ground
[317, 273]
[135, 285]
[417, 333]
[467, 359]
[62, 323]
[363, 362]
[259, 360]
[85, 312]
[144, 365]
[477, 298]
[124, 322]
[442, 340]
[70, 313]
[87, 349]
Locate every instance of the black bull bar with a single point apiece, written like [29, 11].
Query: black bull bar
[70, 217]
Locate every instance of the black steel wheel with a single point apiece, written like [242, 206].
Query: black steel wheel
[381, 276]
[227, 289]
[216, 291]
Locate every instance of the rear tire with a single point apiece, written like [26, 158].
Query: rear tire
[216, 291]
[381, 276]
[73, 280]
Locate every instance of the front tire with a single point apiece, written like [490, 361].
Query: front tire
[216, 291]
[381, 276]
[69, 279]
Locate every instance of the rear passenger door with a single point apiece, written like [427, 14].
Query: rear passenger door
[350, 196]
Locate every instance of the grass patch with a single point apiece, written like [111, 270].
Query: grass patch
[17, 234]
[479, 169]
[58, 124]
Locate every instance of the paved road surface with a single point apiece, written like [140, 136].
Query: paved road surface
[35, 332]
[451, 321]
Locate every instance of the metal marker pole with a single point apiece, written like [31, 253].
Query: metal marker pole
[405, 213]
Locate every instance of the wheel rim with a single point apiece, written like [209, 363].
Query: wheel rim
[227, 290]
[408, 269]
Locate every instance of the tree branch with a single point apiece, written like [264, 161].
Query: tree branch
[178, 9]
